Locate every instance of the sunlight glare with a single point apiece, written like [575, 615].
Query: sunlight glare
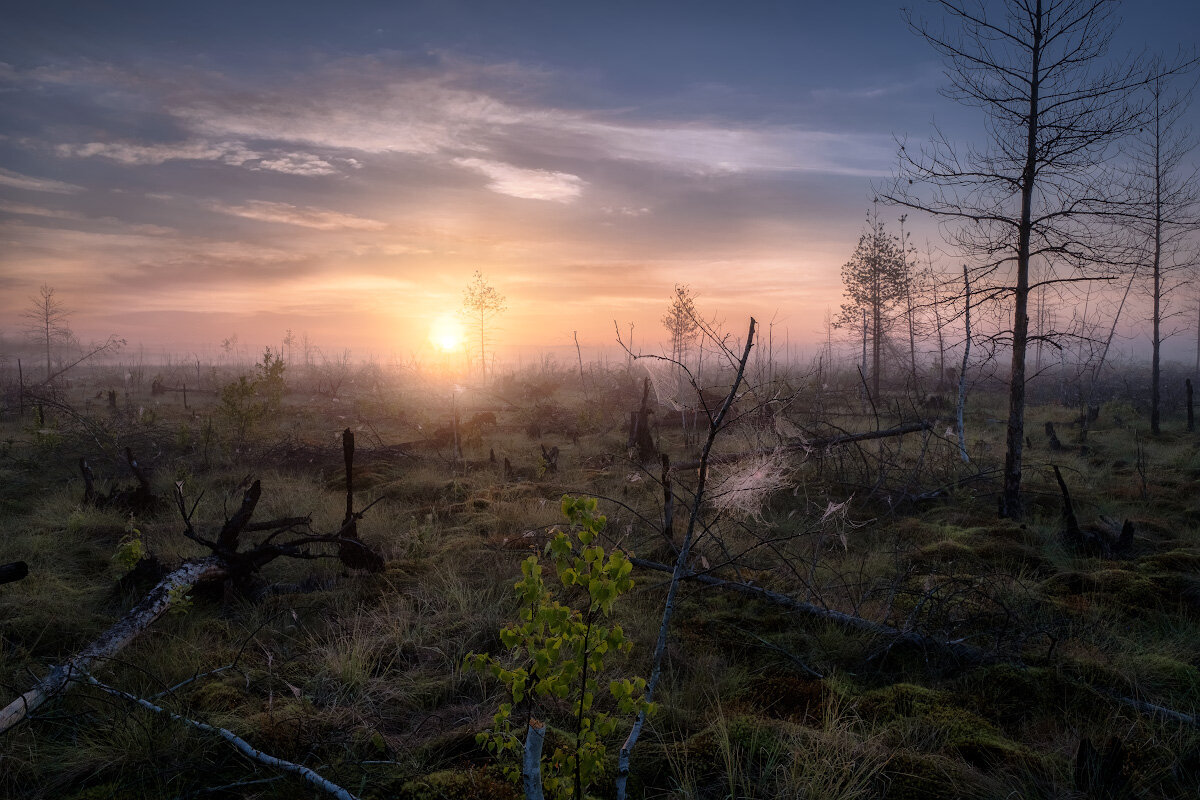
[446, 333]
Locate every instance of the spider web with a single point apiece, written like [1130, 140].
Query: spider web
[671, 386]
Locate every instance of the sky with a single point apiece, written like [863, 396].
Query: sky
[184, 172]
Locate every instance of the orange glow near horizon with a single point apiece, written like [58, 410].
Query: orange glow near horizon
[446, 334]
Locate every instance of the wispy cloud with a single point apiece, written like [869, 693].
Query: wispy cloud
[358, 107]
[18, 181]
[533, 184]
[66, 215]
[371, 111]
[226, 152]
[26, 210]
[298, 164]
[288, 214]
[144, 154]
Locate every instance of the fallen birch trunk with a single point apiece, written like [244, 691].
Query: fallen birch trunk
[1159, 711]
[241, 744]
[225, 562]
[112, 641]
[964, 653]
[811, 444]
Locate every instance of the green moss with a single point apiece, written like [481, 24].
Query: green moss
[944, 552]
[102, 791]
[917, 776]
[217, 696]
[930, 718]
[745, 739]
[1133, 592]
[472, 783]
[1178, 560]
[1012, 695]
[1162, 674]
[785, 697]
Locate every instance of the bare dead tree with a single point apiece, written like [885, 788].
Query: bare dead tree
[962, 374]
[1055, 106]
[1166, 194]
[46, 322]
[716, 420]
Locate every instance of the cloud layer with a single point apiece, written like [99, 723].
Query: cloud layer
[371, 185]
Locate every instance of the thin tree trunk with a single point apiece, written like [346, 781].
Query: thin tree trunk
[908, 299]
[579, 355]
[1196, 368]
[531, 769]
[1010, 500]
[241, 744]
[941, 335]
[876, 348]
[1156, 336]
[864, 347]
[965, 653]
[1191, 415]
[962, 373]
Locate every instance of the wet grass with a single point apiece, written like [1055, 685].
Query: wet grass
[360, 675]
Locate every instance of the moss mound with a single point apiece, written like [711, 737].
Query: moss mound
[472, 783]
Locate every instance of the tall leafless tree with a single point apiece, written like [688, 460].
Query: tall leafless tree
[1166, 190]
[1055, 107]
[46, 323]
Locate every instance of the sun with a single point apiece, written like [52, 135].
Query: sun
[446, 333]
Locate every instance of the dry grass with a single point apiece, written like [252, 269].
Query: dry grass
[359, 676]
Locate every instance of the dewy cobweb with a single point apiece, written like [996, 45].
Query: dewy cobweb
[742, 487]
[670, 382]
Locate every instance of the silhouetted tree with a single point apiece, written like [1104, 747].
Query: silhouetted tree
[482, 304]
[876, 280]
[46, 323]
[680, 322]
[1039, 188]
[1167, 197]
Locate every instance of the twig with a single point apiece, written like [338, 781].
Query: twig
[714, 427]
[963, 652]
[241, 744]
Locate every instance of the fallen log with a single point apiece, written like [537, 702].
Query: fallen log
[1158, 711]
[225, 563]
[812, 444]
[963, 653]
[112, 641]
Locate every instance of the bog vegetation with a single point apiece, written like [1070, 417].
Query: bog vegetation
[966, 565]
[394, 598]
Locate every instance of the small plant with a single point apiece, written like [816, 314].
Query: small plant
[253, 398]
[560, 651]
[131, 549]
[179, 601]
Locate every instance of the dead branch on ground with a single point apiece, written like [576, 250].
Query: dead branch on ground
[287, 536]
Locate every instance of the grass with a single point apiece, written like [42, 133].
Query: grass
[360, 675]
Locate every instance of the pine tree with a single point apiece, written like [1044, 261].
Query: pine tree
[876, 281]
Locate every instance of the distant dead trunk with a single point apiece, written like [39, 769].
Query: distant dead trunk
[640, 439]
